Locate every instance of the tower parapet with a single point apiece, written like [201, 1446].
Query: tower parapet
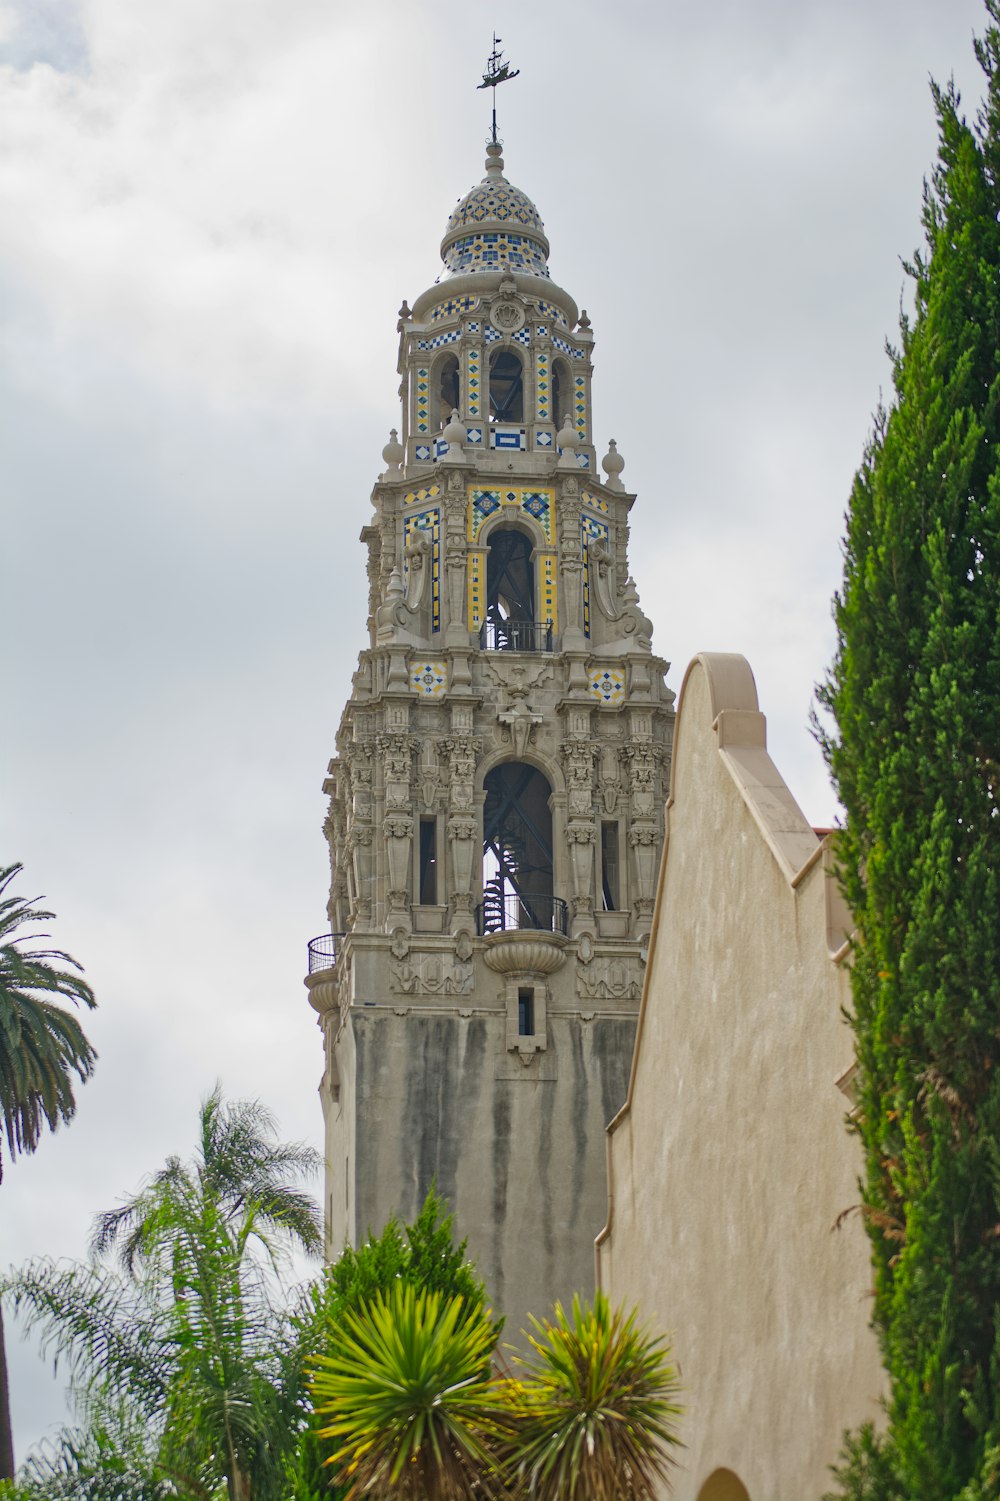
[495, 819]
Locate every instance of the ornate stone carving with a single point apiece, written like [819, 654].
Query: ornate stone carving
[519, 722]
[400, 943]
[462, 836]
[395, 751]
[635, 622]
[579, 758]
[610, 980]
[517, 678]
[507, 316]
[432, 974]
[463, 947]
[643, 779]
[524, 952]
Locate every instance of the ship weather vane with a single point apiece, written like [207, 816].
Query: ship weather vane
[497, 71]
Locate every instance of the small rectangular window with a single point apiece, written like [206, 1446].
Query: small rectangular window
[610, 890]
[428, 862]
[526, 1013]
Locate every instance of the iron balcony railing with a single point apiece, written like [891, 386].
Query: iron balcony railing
[323, 951]
[505, 914]
[516, 635]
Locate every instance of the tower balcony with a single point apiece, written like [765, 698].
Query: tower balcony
[323, 952]
[525, 913]
[321, 981]
[517, 635]
[524, 934]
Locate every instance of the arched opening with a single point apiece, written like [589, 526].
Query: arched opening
[506, 387]
[510, 596]
[517, 852]
[723, 1485]
[448, 389]
[562, 387]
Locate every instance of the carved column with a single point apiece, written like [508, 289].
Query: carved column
[643, 760]
[395, 752]
[456, 632]
[578, 755]
[358, 842]
[571, 566]
[463, 828]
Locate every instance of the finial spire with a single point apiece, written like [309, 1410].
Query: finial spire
[497, 71]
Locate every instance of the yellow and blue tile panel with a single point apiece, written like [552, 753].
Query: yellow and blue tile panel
[428, 492]
[543, 386]
[474, 381]
[493, 251]
[538, 504]
[423, 401]
[495, 200]
[580, 405]
[607, 684]
[429, 677]
[452, 308]
[551, 311]
[566, 348]
[477, 589]
[439, 340]
[548, 566]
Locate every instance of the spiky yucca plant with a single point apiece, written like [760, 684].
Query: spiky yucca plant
[595, 1409]
[414, 1413]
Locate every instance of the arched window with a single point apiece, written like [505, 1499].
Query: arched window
[517, 852]
[448, 389]
[562, 387]
[506, 387]
[510, 577]
[510, 596]
[723, 1485]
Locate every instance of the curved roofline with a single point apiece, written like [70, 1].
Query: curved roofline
[482, 283]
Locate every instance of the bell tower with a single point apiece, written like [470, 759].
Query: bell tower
[495, 816]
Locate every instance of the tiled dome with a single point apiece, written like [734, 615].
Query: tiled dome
[495, 227]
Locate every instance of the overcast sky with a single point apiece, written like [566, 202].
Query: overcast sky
[210, 211]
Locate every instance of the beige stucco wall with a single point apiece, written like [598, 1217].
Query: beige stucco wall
[730, 1162]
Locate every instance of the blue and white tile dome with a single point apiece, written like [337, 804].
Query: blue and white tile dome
[495, 227]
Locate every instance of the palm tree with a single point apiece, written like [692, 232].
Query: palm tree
[186, 1328]
[41, 1047]
[594, 1409]
[414, 1414]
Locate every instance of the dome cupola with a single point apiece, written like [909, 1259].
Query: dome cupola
[495, 227]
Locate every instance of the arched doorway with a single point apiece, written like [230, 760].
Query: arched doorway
[723, 1485]
[517, 851]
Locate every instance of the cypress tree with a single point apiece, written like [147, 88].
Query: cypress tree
[914, 692]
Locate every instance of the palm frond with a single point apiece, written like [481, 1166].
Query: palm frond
[88, 1318]
[41, 1045]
